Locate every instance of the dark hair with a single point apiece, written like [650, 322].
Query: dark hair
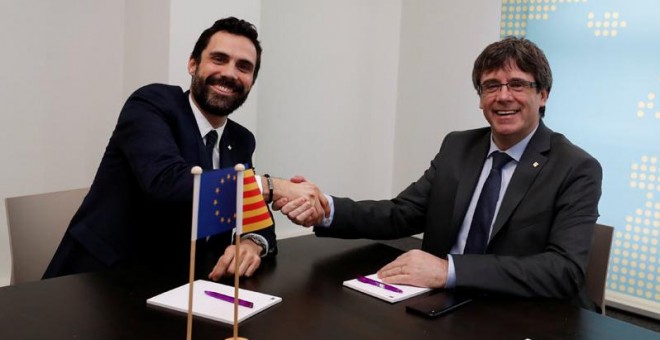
[520, 51]
[230, 25]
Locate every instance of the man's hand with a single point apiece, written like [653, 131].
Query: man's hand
[300, 211]
[249, 261]
[301, 201]
[416, 268]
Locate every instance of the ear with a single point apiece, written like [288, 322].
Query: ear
[544, 97]
[192, 66]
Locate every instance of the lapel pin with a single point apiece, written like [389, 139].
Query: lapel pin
[536, 164]
[229, 147]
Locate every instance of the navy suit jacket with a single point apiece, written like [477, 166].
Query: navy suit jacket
[541, 236]
[138, 210]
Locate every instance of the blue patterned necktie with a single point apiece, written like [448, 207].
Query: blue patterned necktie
[211, 139]
[483, 213]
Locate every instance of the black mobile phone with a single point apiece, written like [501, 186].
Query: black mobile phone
[437, 304]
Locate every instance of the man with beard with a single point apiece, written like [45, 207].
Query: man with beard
[137, 214]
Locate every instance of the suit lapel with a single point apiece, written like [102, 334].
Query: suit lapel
[194, 149]
[471, 169]
[530, 165]
[226, 147]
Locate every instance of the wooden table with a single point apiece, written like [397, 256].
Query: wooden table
[308, 275]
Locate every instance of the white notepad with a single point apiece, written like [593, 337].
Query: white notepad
[211, 308]
[384, 294]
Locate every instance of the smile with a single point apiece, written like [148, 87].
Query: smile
[223, 89]
[506, 113]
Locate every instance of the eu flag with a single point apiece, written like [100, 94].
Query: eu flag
[217, 202]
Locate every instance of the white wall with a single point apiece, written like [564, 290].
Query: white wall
[147, 42]
[439, 42]
[60, 92]
[354, 94]
[328, 94]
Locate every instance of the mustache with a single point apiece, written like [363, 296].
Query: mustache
[227, 82]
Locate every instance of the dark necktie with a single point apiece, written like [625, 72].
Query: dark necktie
[483, 213]
[211, 139]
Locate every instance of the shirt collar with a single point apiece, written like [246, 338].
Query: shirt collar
[202, 123]
[515, 151]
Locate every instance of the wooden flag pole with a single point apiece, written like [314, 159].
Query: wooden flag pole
[197, 172]
[190, 290]
[236, 286]
[239, 230]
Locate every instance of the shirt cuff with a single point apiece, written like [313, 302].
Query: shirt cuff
[451, 273]
[327, 221]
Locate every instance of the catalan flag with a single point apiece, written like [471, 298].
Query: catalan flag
[216, 209]
[255, 213]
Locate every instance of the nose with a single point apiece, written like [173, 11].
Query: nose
[504, 93]
[229, 70]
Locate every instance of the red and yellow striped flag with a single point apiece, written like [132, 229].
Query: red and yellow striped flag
[255, 212]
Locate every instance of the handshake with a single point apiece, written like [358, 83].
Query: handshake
[300, 200]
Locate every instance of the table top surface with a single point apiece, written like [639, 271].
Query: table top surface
[308, 275]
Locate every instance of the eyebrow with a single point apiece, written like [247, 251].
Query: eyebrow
[492, 80]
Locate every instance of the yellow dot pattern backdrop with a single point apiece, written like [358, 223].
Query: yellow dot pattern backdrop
[607, 25]
[605, 62]
[647, 108]
[517, 13]
[634, 266]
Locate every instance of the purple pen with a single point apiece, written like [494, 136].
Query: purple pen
[228, 298]
[369, 281]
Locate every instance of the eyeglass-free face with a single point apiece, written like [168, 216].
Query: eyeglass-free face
[223, 78]
[510, 103]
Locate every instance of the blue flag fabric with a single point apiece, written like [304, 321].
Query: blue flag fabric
[217, 202]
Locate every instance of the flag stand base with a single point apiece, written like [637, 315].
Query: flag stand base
[239, 338]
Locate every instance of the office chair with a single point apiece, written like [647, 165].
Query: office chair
[36, 225]
[599, 257]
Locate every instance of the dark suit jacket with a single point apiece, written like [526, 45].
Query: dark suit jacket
[542, 233]
[138, 210]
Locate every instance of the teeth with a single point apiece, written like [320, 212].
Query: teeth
[225, 89]
[505, 112]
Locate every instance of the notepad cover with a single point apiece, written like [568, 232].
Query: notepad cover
[211, 308]
[384, 294]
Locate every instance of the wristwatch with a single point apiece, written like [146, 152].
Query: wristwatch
[269, 182]
[258, 240]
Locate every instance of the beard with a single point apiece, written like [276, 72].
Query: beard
[215, 103]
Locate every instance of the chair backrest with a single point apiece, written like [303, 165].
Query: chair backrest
[36, 226]
[597, 268]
